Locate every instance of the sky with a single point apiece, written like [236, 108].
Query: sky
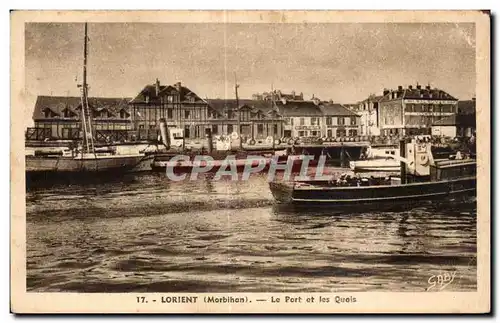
[344, 62]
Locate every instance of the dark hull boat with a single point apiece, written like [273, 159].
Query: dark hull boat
[421, 179]
[315, 194]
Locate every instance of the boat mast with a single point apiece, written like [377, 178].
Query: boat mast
[86, 114]
[236, 86]
[273, 107]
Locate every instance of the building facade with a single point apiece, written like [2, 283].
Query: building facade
[178, 105]
[318, 119]
[413, 110]
[257, 119]
[368, 111]
[273, 114]
[60, 117]
[301, 118]
[338, 121]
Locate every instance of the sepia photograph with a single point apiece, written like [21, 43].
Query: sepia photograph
[276, 159]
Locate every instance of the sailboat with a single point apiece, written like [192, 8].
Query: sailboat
[85, 158]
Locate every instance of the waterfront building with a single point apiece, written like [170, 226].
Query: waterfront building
[368, 110]
[413, 110]
[462, 124]
[177, 104]
[257, 119]
[301, 118]
[338, 121]
[58, 117]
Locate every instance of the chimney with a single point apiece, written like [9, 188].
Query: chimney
[428, 87]
[419, 87]
[400, 88]
[178, 86]
[386, 91]
[410, 87]
[474, 99]
[301, 95]
[157, 87]
[293, 95]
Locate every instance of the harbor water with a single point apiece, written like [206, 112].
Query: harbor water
[144, 233]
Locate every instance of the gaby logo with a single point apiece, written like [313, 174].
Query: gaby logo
[182, 167]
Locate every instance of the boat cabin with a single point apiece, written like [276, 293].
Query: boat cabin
[452, 169]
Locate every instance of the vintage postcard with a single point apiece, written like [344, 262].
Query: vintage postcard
[250, 162]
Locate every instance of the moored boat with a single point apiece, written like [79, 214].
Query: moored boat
[86, 158]
[421, 179]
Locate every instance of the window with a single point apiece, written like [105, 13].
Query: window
[288, 121]
[187, 114]
[230, 114]
[187, 132]
[314, 121]
[260, 129]
[229, 128]
[353, 121]
[341, 121]
[329, 121]
[197, 131]
[123, 114]
[170, 113]
[152, 126]
[275, 129]
[302, 133]
[341, 133]
[245, 115]
[141, 126]
[67, 113]
[353, 132]
[315, 133]
[329, 133]
[170, 98]
[215, 129]
[302, 121]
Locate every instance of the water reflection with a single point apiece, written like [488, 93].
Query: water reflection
[145, 233]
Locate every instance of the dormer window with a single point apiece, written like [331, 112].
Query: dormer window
[67, 113]
[48, 113]
[124, 114]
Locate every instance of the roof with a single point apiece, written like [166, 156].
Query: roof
[418, 94]
[57, 104]
[299, 108]
[425, 93]
[222, 105]
[467, 107]
[336, 109]
[150, 91]
[372, 98]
